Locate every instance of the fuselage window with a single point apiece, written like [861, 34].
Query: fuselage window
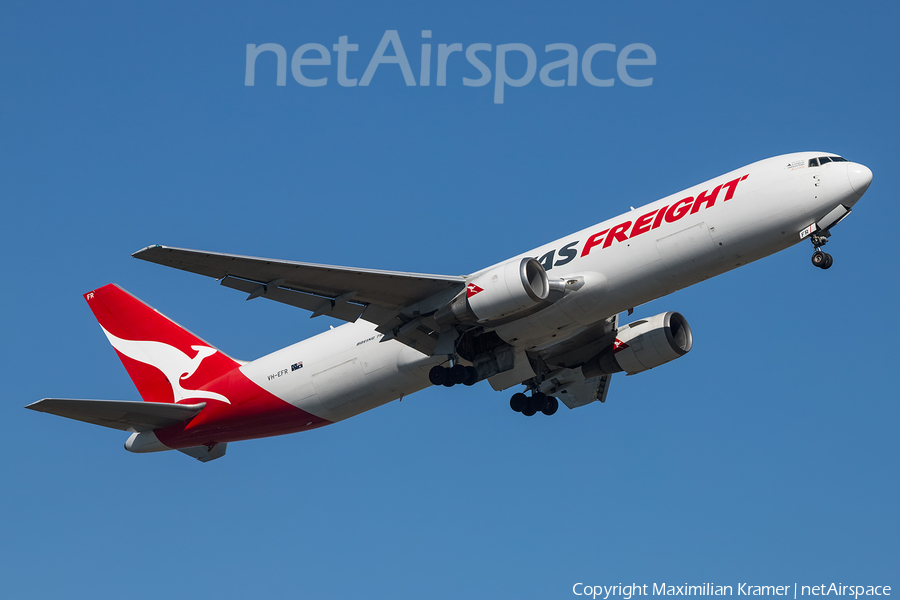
[823, 160]
[813, 162]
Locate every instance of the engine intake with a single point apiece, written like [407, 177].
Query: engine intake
[508, 289]
[643, 345]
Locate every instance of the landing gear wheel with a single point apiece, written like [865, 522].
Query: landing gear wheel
[540, 401]
[552, 406]
[518, 402]
[437, 375]
[818, 259]
[823, 260]
[471, 376]
[458, 374]
[529, 410]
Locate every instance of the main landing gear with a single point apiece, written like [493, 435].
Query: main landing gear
[820, 259]
[450, 376]
[529, 406]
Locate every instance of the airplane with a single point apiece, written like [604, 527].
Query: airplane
[547, 319]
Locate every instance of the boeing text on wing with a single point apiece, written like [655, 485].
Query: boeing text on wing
[546, 319]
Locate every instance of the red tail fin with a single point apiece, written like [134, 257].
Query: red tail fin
[166, 362]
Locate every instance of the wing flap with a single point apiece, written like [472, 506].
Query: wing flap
[580, 393]
[339, 308]
[119, 414]
[573, 390]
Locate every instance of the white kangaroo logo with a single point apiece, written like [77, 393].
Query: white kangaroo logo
[174, 364]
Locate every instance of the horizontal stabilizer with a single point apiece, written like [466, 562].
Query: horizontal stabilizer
[119, 414]
[204, 454]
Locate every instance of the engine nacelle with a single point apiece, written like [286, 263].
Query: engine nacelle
[643, 345]
[511, 288]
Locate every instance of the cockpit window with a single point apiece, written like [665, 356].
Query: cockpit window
[815, 162]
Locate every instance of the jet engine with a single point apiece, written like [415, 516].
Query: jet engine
[643, 345]
[511, 288]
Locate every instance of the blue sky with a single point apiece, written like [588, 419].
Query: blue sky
[769, 454]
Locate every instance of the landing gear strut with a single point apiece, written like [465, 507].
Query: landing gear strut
[450, 376]
[820, 259]
[529, 406]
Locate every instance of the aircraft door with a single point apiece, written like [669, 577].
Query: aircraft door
[810, 180]
[687, 253]
[341, 385]
[822, 176]
[823, 184]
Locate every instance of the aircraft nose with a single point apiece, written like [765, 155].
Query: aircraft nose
[860, 177]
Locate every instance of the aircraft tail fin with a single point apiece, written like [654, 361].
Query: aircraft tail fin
[166, 362]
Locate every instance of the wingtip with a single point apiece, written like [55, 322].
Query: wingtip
[146, 249]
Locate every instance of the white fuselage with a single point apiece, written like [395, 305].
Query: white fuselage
[347, 370]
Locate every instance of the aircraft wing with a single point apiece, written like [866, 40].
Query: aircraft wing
[390, 299]
[119, 414]
[585, 391]
[568, 382]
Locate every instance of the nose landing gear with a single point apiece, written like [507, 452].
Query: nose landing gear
[529, 406]
[820, 259]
